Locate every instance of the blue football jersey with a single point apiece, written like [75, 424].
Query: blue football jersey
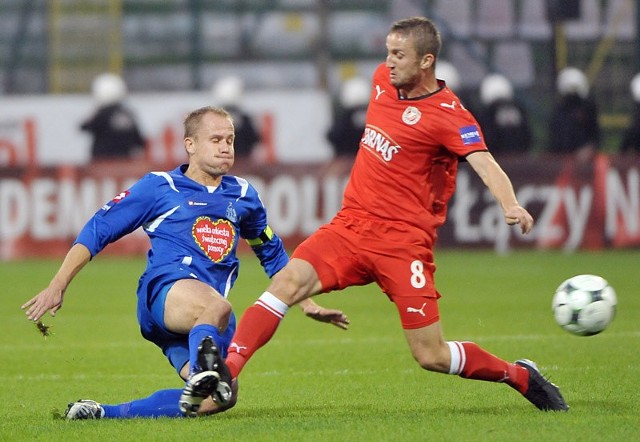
[193, 229]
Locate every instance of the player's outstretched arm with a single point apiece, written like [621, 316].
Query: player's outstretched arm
[500, 186]
[319, 313]
[50, 299]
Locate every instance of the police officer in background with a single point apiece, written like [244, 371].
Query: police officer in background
[504, 121]
[113, 126]
[227, 93]
[445, 70]
[574, 127]
[349, 116]
[631, 139]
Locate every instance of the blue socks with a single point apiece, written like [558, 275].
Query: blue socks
[162, 403]
[196, 335]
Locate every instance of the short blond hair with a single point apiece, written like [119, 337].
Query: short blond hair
[192, 121]
[424, 32]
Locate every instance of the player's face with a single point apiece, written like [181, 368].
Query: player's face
[211, 148]
[403, 61]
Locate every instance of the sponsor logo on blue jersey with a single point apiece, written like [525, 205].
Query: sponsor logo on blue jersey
[470, 134]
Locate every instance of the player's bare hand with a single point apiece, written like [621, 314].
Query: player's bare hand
[331, 316]
[48, 300]
[519, 215]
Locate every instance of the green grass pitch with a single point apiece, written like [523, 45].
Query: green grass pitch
[316, 382]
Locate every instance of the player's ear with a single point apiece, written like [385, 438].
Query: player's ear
[427, 61]
[189, 145]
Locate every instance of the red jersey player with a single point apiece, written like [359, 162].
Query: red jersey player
[401, 181]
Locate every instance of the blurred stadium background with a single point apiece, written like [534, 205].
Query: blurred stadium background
[58, 46]
[293, 56]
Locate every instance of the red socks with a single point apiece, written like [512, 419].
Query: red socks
[256, 327]
[470, 361]
[260, 321]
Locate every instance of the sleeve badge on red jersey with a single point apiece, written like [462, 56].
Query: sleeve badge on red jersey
[470, 134]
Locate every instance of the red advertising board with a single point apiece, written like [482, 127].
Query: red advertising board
[576, 206]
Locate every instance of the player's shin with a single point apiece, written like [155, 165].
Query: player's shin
[162, 403]
[196, 335]
[470, 361]
[258, 324]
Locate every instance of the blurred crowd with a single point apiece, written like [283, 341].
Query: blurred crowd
[573, 126]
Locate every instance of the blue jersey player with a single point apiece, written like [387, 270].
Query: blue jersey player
[194, 216]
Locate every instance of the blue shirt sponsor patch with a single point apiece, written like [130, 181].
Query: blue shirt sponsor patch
[470, 134]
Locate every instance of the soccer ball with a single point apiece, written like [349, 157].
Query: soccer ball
[584, 305]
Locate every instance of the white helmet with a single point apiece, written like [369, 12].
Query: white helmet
[495, 87]
[355, 92]
[635, 88]
[572, 81]
[228, 91]
[108, 89]
[447, 71]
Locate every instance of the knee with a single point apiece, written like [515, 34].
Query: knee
[286, 280]
[224, 308]
[293, 284]
[218, 310]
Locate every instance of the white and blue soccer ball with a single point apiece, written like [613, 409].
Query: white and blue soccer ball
[584, 305]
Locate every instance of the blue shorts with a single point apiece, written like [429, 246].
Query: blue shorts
[174, 346]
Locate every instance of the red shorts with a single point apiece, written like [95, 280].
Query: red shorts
[399, 258]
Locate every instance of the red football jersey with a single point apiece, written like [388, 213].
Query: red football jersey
[408, 157]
